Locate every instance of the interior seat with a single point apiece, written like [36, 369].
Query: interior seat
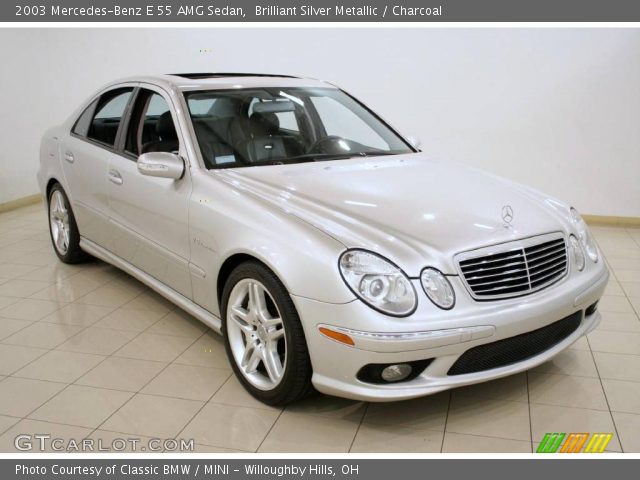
[167, 136]
[266, 142]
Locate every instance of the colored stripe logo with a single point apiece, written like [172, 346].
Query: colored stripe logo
[574, 443]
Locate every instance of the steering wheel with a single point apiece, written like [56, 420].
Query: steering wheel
[320, 146]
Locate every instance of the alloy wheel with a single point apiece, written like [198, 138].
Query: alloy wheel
[59, 222]
[256, 334]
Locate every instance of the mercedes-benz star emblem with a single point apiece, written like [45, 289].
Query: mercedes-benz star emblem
[507, 215]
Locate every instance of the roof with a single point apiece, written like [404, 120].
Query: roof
[214, 81]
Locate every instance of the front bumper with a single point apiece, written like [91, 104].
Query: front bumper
[431, 333]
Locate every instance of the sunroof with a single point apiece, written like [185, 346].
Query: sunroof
[196, 76]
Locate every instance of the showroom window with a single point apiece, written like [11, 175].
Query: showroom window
[109, 111]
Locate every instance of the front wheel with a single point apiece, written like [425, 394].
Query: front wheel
[263, 335]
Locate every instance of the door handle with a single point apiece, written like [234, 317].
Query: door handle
[68, 156]
[115, 177]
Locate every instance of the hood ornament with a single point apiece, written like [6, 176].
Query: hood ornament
[507, 215]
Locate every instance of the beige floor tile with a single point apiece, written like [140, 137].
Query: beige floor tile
[150, 346]
[81, 406]
[628, 426]
[50, 273]
[552, 418]
[235, 427]
[43, 335]
[187, 381]
[57, 366]
[618, 367]
[567, 390]
[615, 305]
[35, 258]
[127, 319]
[150, 300]
[14, 357]
[207, 351]
[209, 449]
[458, 443]
[109, 295]
[635, 301]
[234, 394]
[6, 301]
[52, 430]
[77, 314]
[570, 362]
[627, 275]
[489, 417]
[99, 341]
[30, 309]
[615, 342]
[9, 326]
[426, 413]
[513, 388]
[68, 289]
[396, 439]
[327, 406]
[21, 288]
[580, 344]
[20, 396]
[109, 374]
[619, 322]
[614, 289]
[180, 324]
[7, 422]
[155, 416]
[294, 432]
[622, 396]
[632, 289]
[15, 270]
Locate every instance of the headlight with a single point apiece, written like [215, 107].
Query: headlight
[438, 288]
[378, 282]
[584, 235]
[578, 254]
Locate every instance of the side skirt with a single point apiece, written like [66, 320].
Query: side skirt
[180, 300]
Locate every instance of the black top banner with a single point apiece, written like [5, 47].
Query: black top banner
[320, 11]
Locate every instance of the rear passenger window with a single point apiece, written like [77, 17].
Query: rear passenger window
[84, 121]
[108, 114]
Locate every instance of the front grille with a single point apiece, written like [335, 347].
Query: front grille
[514, 269]
[515, 349]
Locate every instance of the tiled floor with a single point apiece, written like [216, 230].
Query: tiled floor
[88, 352]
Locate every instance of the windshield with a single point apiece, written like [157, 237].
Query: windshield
[269, 126]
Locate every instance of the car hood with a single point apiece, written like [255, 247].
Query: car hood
[411, 209]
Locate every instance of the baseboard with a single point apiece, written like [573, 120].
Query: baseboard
[20, 202]
[610, 221]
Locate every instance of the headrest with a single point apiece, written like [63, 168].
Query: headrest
[165, 128]
[264, 123]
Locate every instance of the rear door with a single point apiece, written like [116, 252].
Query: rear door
[149, 215]
[86, 153]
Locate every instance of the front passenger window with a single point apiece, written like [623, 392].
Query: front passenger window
[151, 128]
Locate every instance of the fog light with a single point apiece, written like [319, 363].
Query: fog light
[396, 373]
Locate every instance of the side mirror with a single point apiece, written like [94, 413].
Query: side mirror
[161, 164]
[415, 142]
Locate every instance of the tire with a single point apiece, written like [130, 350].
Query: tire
[249, 336]
[63, 228]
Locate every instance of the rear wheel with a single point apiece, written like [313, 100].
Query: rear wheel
[63, 228]
[263, 335]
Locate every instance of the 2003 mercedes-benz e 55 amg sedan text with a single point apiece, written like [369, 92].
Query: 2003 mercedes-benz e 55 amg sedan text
[325, 247]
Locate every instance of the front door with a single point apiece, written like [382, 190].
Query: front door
[149, 215]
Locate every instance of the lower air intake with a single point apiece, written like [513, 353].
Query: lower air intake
[515, 349]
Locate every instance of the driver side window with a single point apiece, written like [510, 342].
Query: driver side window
[151, 128]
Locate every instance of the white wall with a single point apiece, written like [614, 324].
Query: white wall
[556, 109]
